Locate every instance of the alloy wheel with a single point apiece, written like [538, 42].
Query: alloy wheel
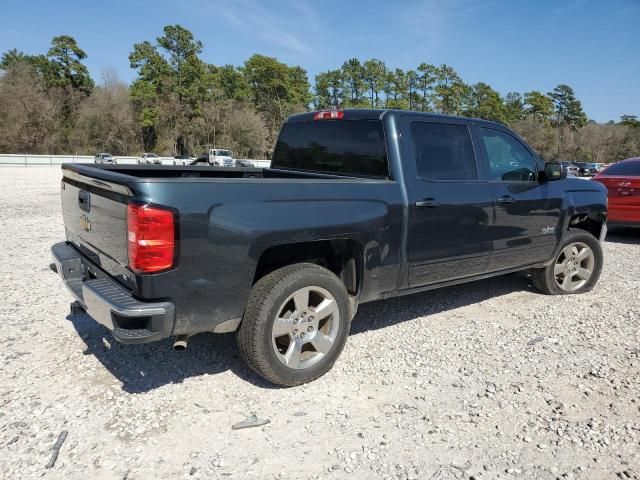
[574, 266]
[306, 327]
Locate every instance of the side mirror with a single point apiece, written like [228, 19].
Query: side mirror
[554, 171]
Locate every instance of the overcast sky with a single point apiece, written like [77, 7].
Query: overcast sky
[514, 45]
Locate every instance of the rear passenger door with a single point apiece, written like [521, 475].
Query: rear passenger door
[450, 206]
[527, 211]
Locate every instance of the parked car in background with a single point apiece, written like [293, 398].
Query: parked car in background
[586, 169]
[571, 169]
[182, 160]
[221, 157]
[150, 158]
[104, 158]
[358, 205]
[244, 163]
[201, 161]
[622, 180]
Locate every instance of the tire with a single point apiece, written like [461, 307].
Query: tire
[274, 330]
[550, 280]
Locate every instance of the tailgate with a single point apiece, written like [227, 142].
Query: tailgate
[94, 213]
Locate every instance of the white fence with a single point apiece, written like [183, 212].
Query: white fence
[35, 160]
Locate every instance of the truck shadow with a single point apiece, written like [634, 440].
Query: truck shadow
[142, 368]
[385, 313]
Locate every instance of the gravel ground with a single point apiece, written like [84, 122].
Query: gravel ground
[486, 380]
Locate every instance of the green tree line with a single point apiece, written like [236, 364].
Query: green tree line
[179, 104]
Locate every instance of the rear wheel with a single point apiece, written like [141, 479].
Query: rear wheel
[576, 268]
[295, 325]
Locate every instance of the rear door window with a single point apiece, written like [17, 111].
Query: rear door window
[443, 151]
[351, 147]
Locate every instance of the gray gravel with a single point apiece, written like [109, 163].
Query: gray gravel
[486, 380]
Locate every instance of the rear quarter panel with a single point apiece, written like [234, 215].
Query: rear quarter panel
[226, 225]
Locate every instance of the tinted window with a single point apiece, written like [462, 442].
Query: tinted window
[443, 151]
[333, 146]
[508, 159]
[623, 168]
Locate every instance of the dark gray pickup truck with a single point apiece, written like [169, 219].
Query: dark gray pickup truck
[358, 205]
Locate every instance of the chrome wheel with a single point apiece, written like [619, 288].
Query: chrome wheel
[574, 266]
[305, 327]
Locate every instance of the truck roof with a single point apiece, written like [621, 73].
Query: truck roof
[378, 113]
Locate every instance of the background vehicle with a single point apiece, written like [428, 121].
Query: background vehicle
[571, 168]
[586, 169]
[221, 157]
[104, 158]
[359, 205]
[201, 161]
[150, 158]
[244, 163]
[622, 180]
[182, 160]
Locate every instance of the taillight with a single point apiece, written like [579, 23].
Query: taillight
[329, 115]
[150, 238]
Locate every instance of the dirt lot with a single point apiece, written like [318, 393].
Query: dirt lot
[486, 380]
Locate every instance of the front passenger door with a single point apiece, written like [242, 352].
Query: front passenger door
[527, 212]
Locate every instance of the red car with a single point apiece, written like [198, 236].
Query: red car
[622, 180]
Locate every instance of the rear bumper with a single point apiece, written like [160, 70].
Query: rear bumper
[623, 214]
[129, 319]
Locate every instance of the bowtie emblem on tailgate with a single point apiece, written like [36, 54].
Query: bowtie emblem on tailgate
[85, 222]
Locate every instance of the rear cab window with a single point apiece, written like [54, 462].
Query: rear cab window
[347, 147]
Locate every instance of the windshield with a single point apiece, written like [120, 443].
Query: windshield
[152, 155]
[222, 153]
[353, 147]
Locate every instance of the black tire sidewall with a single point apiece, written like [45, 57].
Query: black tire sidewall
[304, 276]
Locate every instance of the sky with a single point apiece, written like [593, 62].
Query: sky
[513, 45]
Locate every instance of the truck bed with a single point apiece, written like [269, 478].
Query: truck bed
[226, 219]
[154, 172]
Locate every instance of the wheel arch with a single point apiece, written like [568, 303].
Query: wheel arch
[589, 222]
[585, 210]
[343, 257]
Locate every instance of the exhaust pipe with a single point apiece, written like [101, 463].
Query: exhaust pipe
[180, 345]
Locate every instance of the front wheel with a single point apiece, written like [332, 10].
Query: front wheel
[576, 268]
[295, 325]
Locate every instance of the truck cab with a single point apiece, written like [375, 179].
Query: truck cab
[221, 157]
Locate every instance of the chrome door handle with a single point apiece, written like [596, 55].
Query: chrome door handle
[427, 202]
[506, 199]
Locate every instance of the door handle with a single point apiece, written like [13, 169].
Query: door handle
[427, 202]
[506, 199]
